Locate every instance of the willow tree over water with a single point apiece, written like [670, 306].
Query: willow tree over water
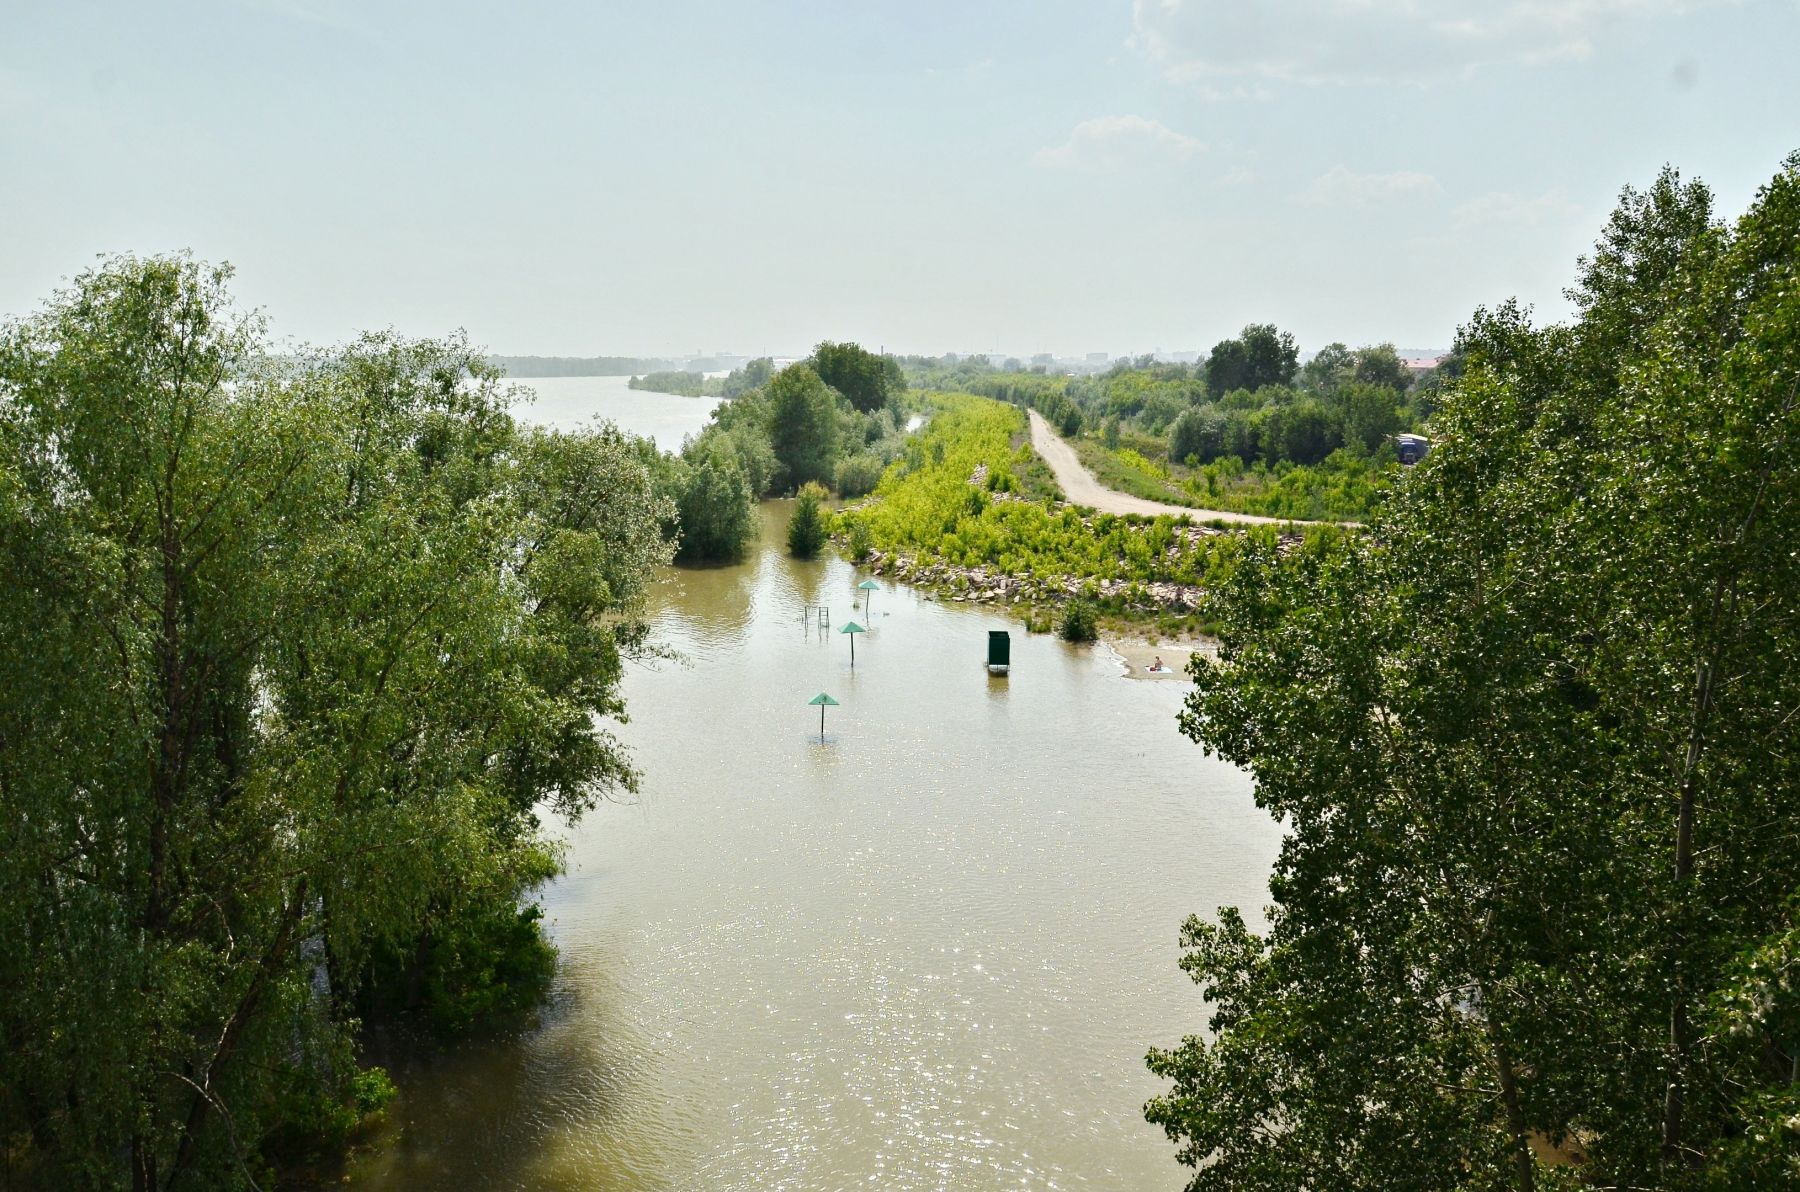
[1536, 739]
[295, 649]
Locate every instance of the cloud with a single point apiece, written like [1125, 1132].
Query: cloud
[1111, 142]
[1367, 41]
[1342, 187]
[1505, 209]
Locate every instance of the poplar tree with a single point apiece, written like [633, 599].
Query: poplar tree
[1534, 737]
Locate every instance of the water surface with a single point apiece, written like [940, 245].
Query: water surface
[928, 953]
[568, 402]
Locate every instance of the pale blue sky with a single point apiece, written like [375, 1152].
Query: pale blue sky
[659, 177]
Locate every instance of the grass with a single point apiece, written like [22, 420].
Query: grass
[1346, 487]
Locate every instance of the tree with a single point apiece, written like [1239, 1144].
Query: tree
[806, 528]
[1330, 367]
[1370, 414]
[1380, 364]
[1302, 431]
[803, 426]
[860, 375]
[718, 513]
[1533, 741]
[1260, 355]
[1198, 434]
[297, 649]
[753, 375]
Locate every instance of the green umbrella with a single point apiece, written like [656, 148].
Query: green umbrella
[852, 628]
[868, 585]
[821, 700]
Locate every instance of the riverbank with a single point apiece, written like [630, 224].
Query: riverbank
[1135, 656]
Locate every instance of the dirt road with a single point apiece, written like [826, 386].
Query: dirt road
[1080, 487]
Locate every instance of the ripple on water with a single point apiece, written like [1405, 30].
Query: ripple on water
[931, 953]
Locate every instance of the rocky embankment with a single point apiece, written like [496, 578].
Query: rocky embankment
[983, 585]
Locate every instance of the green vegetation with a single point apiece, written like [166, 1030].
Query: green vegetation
[954, 496]
[1080, 621]
[716, 508]
[689, 383]
[779, 432]
[867, 381]
[1260, 357]
[1248, 431]
[806, 532]
[1533, 741]
[682, 384]
[298, 651]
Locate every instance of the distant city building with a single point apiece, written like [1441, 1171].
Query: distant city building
[1098, 359]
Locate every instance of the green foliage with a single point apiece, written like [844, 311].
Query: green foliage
[1198, 434]
[299, 650]
[487, 963]
[682, 384]
[857, 475]
[1259, 356]
[717, 512]
[926, 504]
[372, 1091]
[1079, 621]
[859, 540]
[1532, 741]
[861, 376]
[1369, 415]
[803, 426]
[807, 529]
[751, 377]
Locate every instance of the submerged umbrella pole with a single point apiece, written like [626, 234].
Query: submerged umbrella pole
[868, 587]
[821, 700]
[852, 628]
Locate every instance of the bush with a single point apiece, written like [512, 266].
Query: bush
[1200, 434]
[1079, 621]
[859, 540]
[857, 475]
[806, 530]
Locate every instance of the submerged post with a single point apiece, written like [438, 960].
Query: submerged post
[868, 587]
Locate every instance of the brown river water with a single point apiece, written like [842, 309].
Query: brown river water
[930, 952]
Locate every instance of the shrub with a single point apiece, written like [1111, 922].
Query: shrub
[858, 475]
[1079, 621]
[859, 540]
[806, 529]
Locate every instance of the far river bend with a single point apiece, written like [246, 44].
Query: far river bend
[929, 953]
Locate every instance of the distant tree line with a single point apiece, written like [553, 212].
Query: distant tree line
[688, 383]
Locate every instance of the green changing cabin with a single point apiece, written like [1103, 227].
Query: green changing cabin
[999, 652]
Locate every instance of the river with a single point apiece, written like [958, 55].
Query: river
[929, 952]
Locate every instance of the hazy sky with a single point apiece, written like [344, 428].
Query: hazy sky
[660, 175]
